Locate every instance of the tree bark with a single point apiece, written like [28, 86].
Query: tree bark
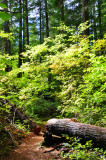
[20, 38]
[84, 131]
[47, 19]
[7, 42]
[40, 14]
[62, 10]
[27, 28]
[24, 26]
[94, 20]
[100, 21]
[85, 14]
[20, 33]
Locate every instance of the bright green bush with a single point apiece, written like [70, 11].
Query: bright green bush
[65, 74]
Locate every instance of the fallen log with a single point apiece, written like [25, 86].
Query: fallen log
[83, 131]
[18, 114]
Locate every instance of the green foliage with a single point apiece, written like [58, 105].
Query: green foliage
[83, 76]
[80, 151]
[3, 15]
[6, 35]
[93, 91]
[65, 74]
[3, 5]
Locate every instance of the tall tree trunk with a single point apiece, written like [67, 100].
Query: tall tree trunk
[94, 21]
[24, 26]
[40, 14]
[43, 28]
[99, 15]
[47, 35]
[62, 10]
[7, 42]
[20, 36]
[85, 14]
[27, 28]
[47, 19]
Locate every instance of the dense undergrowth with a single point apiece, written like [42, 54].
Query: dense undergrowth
[65, 77]
[75, 150]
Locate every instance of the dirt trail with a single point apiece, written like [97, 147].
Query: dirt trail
[30, 150]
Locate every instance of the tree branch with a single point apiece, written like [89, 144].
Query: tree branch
[2, 10]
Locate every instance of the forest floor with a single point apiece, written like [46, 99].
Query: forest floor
[30, 149]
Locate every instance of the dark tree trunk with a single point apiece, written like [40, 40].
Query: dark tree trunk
[43, 28]
[24, 26]
[7, 42]
[20, 35]
[62, 10]
[47, 35]
[85, 14]
[40, 14]
[27, 28]
[99, 15]
[94, 19]
[84, 131]
[7, 30]
[47, 19]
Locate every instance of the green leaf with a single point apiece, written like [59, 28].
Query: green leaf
[3, 5]
[4, 16]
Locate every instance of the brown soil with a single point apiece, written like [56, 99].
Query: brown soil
[30, 150]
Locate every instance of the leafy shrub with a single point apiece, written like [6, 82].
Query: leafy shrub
[65, 73]
[78, 151]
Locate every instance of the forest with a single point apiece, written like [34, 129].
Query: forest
[52, 65]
